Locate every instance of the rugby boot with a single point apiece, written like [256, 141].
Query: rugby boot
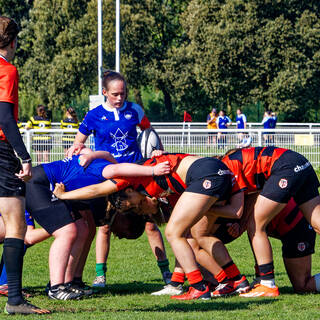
[24, 308]
[169, 289]
[260, 290]
[99, 282]
[231, 287]
[193, 294]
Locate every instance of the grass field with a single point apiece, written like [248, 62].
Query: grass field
[133, 274]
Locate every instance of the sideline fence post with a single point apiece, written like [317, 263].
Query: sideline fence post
[260, 138]
[28, 140]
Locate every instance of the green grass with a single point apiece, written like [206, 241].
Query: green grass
[133, 274]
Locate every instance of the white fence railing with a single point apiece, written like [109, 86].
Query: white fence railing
[203, 125]
[51, 146]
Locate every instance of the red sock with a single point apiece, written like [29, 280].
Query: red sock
[221, 276]
[194, 276]
[232, 271]
[177, 277]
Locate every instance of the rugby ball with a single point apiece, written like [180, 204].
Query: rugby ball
[148, 140]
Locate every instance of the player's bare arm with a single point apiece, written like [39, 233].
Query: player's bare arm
[234, 209]
[135, 170]
[94, 191]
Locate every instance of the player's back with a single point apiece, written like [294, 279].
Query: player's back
[72, 174]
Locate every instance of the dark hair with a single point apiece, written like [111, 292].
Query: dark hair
[116, 198]
[128, 225]
[109, 76]
[8, 31]
[73, 114]
[41, 110]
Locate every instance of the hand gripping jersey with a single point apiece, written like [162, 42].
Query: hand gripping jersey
[115, 130]
[252, 166]
[157, 186]
[9, 80]
[72, 174]
[166, 185]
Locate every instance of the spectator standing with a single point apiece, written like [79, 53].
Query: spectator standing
[269, 121]
[212, 124]
[70, 121]
[223, 122]
[241, 120]
[13, 174]
[41, 141]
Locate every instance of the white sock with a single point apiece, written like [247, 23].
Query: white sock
[317, 280]
[268, 283]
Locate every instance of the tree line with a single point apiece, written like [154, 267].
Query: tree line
[176, 55]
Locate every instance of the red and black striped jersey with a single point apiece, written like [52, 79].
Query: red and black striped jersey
[160, 186]
[157, 186]
[252, 166]
[285, 221]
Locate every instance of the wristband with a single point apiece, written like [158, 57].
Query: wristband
[27, 161]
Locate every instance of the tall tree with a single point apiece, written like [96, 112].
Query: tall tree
[249, 51]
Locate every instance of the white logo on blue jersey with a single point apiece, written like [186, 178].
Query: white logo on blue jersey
[120, 143]
[128, 115]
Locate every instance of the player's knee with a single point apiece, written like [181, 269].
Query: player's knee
[171, 233]
[68, 233]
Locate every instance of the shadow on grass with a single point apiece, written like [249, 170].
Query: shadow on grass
[136, 287]
[173, 307]
[221, 305]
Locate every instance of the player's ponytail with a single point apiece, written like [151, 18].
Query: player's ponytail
[8, 31]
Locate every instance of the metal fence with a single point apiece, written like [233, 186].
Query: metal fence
[51, 146]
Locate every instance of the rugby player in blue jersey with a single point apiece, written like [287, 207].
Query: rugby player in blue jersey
[114, 127]
[223, 122]
[241, 120]
[55, 215]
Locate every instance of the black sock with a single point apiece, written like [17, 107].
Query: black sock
[175, 283]
[13, 251]
[201, 286]
[266, 271]
[77, 280]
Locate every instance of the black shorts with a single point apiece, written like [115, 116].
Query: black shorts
[299, 242]
[10, 184]
[291, 176]
[222, 233]
[97, 206]
[50, 212]
[211, 177]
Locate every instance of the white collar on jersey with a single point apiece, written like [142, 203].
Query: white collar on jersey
[1, 56]
[106, 107]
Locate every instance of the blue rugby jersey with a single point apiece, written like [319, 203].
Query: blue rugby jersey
[241, 119]
[72, 174]
[115, 129]
[222, 122]
[269, 122]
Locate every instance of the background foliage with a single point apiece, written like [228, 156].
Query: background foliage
[176, 55]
